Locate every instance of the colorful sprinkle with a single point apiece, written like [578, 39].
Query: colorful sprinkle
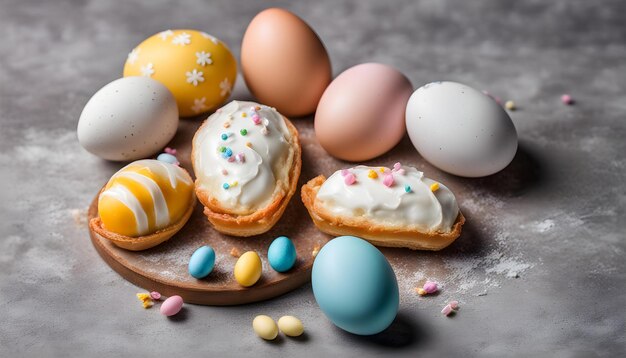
[234, 252]
[224, 136]
[434, 187]
[222, 149]
[234, 184]
[228, 152]
[167, 158]
[420, 291]
[407, 188]
[256, 119]
[226, 124]
[372, 174]
[244, 114]
[243, 131]
[454, 305]
[248, 144]
[510, 105]
[169, 150]
[447, 310]
[231, 159]
[344, 172]
[224, 172]
[155, 295]
[388, 180]
[240, 157]
[567, 99]
[430, 287]
[397, 166]
[382, 169]
[349, 179]
[145, 299]
[225, 186]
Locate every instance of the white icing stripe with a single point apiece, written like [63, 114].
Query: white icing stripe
[256, 140]
[409, 202]
[161, 212]
[123, 195]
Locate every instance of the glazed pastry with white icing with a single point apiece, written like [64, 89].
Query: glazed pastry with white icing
[144, 204]
[247, 161]
[396, 207]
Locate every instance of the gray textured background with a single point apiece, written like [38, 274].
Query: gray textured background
[555, 218]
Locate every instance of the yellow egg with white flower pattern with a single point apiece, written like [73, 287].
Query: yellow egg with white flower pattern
[196, 67]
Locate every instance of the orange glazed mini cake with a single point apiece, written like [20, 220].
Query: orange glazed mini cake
[396, 207]
[144, 204]
[247, 161]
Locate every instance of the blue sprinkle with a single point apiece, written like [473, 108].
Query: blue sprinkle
[224, 136]
[229, 152]
[225, 186]
[407, 188]
[167, 158]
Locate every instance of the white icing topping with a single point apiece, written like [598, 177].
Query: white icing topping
[126, 197]
[162, 213]
[418, 208]
[251, 175]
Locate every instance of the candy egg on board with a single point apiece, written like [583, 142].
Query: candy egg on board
[281, 254]
[130, 118]
[196, 67]
[460, 130]
[361, 114]
[248, 269]
[202, 262]
[355, 286]
[171, 306]
[284, 63]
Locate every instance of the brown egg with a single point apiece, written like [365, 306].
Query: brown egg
[361, 114]
[284, 63]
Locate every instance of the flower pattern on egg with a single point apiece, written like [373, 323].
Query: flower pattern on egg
[199, 105]
[225, 86]
[165, 34]
[133, 56]
[182, 39]
[194, 77]
[212, 38]
[204, 58]
[147, 70]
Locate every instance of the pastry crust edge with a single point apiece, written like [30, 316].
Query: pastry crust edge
[376, 234]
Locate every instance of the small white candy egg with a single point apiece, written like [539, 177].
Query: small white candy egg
[130, 118]
[265, 327]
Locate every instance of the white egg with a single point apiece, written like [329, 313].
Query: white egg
[130, 118]
[460, 130]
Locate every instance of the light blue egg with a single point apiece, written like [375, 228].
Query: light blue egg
[355, 286]
[168, 158]
[281, 254]
[201, 262]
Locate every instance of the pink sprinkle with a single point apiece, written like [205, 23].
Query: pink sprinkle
[388, 180]
[256, 119]
[240, 157]
[231, 159]
[400, 171]
[567, 99]
[454, 305]
[349, 179]
[155, 295]
[430, 287]
[224, 172]
[169, 150]
[397, 166]
[446, 310]
[344, 172]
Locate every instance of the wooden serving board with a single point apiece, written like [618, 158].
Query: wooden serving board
[164, 267]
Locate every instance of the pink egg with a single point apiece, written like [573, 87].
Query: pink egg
[361, 114]
[172, 305]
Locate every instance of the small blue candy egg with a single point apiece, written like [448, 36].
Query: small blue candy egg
[168, 158]
[355, 286]
[201, 262]
[282, 254]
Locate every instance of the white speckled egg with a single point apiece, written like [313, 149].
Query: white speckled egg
[460, 130]
[130, 118]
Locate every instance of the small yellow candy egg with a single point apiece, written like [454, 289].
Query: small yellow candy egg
[290, 326]
[248, 269]
[265, 327]
[196, 67]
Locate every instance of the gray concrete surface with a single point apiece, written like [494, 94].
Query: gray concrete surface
[540, 272]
